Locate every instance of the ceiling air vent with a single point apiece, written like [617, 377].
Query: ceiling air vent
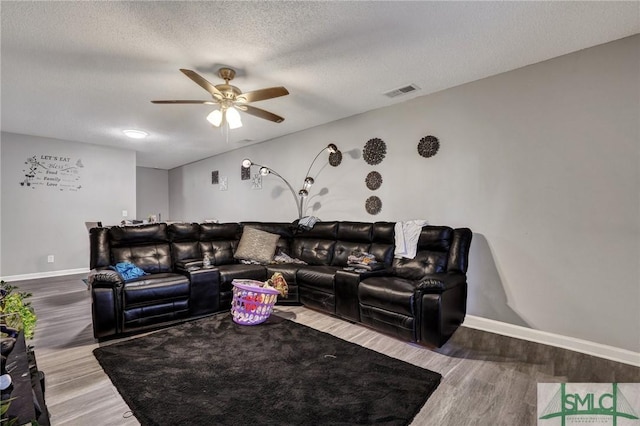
[402, 91]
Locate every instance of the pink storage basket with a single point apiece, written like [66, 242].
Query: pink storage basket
[252, 304]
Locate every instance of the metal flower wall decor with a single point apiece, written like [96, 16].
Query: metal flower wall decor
[335, 158]
[374, 151]
[428, 146]
[373, 205]
[373, 180]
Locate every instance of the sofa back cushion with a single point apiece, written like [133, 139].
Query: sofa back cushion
[315, 246]
[219, 241]
[179, 232]
[185, 251]
[220, 231]
[126, 236]
[100, 248]
[343, 249]
[459, 252]
[146, 246]
[432, 255]
[383, 241]
[313, 251]
[321, 231]
[220, 252]
[151, 258]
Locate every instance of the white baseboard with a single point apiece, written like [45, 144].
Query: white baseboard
[48, 274]
[571, 343]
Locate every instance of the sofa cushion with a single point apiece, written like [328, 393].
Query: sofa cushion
[135, 235]
[219, 231]
[229, 273]
[220, 252]
[389, 293]
[256, 245]
[319, 277]
[425, 262]
[312, 251]
[183, 232]
[151, 258]
[155, 288]
[182, 251]
[128, 271]
[343, 249]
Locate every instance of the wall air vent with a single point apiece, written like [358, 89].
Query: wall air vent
[402, 91]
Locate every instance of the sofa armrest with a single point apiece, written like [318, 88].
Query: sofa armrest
[187, 265]
[105, 278]
[439, 283]
[204, 287]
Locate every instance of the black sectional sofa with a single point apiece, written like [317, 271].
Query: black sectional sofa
[420, 300]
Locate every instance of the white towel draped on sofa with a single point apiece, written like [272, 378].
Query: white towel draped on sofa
[407, 235]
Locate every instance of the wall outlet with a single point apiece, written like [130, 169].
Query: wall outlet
[125, 213]
[50, 258]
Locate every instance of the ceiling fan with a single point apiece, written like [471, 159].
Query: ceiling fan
[231, 99]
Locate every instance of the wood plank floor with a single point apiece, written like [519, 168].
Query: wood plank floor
[488, 379]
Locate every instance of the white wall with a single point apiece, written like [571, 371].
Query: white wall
[152, 193]
[38, 221]
[542, 163]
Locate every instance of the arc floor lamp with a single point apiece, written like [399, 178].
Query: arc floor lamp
[303, 193]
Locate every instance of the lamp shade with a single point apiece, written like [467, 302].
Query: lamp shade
[215, 117]
[233, 118]
[308, 181]
[332, 148]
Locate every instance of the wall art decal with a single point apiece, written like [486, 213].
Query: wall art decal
[256, 183]
[245, 173]
[335, 158]
[214, 177]
[373, 205]
[373, 180]
[224, 183]
[374, 151]
[428, 146]
[53, 172]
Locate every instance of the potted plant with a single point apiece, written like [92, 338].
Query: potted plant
[15, 311]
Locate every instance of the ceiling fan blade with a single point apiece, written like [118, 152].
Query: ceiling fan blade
[185, 102]
[262, 94]
[202, 82]
[260, 113]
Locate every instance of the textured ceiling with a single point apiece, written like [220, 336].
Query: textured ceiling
[84, 71]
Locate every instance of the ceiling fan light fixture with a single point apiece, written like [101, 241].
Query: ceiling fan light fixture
[135, 134]
[233, 118]
[246, 163]
[215, 117]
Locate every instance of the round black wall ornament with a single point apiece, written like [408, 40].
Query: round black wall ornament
[428, 146]
[335, 158]
[374, 151]
[373, 205]
[373, 180]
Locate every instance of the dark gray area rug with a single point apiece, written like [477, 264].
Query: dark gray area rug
[215, 372]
